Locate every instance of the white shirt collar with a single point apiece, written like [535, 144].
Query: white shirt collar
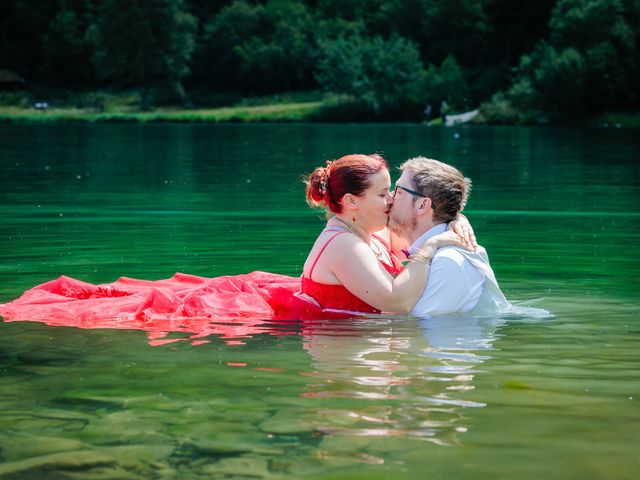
[440, 228]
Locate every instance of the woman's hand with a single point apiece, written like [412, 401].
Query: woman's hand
[446, 239]
[463, 228]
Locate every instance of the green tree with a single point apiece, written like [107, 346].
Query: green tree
[216, 62]
[513, 32]
[203, 10]
[66, 49]
[379, 72]
[447, 82]
[283, 55]
[262, 48]
[455, 27]
[142, 43]
[366, 11]
[458, 28]
[588, 64]
[22, 25]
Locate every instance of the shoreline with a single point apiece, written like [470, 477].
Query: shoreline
[290, 112]
[294, 112]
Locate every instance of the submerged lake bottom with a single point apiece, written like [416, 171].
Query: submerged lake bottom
[457, 396]
[549, 390]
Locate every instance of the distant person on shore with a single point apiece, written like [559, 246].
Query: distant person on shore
[427, 113]
[444, 109]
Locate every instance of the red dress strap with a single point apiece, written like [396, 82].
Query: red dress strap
[322, 250]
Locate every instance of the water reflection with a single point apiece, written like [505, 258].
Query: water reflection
[399, 377]
[196, 331]
[367, 377]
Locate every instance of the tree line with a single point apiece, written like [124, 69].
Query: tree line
[559, 58]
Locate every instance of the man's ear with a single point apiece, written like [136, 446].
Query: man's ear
[423, 205]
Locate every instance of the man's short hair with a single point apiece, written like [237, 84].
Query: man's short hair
[445, 185]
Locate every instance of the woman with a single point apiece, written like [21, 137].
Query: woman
[350, 266]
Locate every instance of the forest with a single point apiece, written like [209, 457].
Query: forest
[521, 61]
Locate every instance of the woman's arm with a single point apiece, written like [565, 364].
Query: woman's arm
[355, 265]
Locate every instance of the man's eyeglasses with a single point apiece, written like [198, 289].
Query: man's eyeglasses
[408, 190]
[412, 192]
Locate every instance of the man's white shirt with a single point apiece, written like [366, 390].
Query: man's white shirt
[457, 280]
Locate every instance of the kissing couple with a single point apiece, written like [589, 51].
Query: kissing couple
[355, 264]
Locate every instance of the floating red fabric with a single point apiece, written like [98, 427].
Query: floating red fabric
[182, 303]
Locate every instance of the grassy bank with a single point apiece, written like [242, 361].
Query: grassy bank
[123, 107]
[293, 112]
[616, 120]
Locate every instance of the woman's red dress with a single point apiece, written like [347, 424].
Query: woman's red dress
[183, 302]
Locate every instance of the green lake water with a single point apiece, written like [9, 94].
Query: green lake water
[520, 396]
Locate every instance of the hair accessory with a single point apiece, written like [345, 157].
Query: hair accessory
[324, 182]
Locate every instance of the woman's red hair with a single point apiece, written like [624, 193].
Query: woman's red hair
[349, 174]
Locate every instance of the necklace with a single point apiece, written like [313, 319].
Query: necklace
[375, 248]
[352, 228]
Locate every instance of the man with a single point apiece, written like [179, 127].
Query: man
[429, 194]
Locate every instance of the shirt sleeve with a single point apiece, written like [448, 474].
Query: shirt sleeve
[449, 288]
